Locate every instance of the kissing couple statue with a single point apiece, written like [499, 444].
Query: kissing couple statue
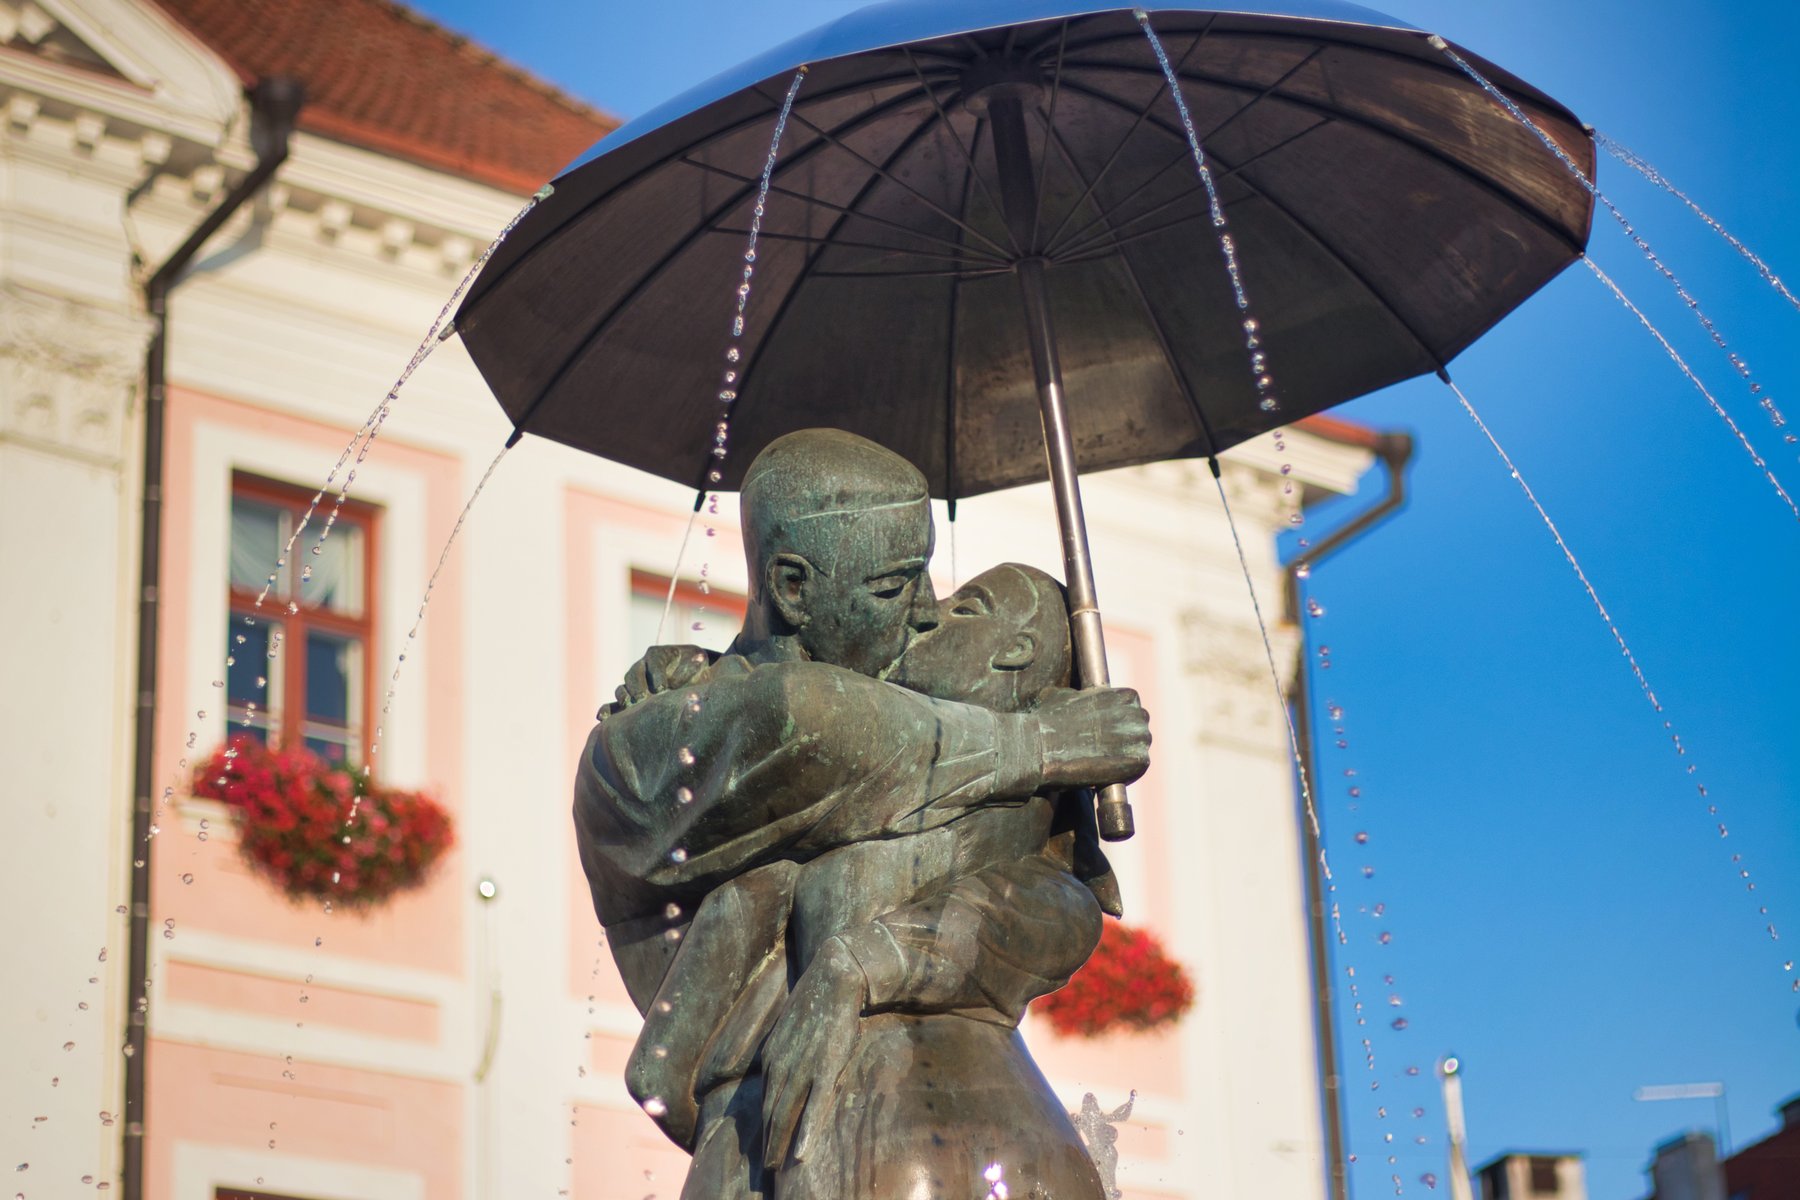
[837, 862]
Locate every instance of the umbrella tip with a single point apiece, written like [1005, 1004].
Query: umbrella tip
[1212, 461]
[1437, 43]
[514, 440]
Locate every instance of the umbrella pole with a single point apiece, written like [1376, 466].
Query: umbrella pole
[1018, 195]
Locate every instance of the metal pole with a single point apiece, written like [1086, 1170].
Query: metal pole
[1018, 195]
[1395, 450]
[274, 104]
[1450, 1071]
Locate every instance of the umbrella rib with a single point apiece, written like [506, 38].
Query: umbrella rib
[1100, 247]
[1518, 203]
[907, 188]
[490, 280]
[812, 262]
[891, 251]
[674, 252]
[1299, 224]
[1176, 370]
[950, 340]
[1037, 207]
[950, 131]
[837, 208]
[982, 273]
[1079, 243]
[1260, 96]
[1123, 142]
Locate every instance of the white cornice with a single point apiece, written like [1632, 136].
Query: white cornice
[149, 48]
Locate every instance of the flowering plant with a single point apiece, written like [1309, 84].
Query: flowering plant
[1128, 984]
[323, 831]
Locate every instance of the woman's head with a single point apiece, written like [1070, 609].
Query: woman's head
[1001, 642]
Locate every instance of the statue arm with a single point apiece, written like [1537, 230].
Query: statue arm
[986, 945]
[711, 778]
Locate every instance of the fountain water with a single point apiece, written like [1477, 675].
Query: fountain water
[1706, 323]
[1264, 383]
[1260, 377]
[1690, 768]
[729, 381]
[1675, 357]
[1625, 155]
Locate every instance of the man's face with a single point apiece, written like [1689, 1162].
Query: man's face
[878, 594]
[989, 633]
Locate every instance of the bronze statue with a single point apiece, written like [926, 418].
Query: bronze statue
[833, 896]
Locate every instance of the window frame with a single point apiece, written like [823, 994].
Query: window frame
[289, 721]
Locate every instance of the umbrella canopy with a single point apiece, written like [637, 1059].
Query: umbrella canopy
[1386, 212]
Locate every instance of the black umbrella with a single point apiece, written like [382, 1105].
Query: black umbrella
[976, 209]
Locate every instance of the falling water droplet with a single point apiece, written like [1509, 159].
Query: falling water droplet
[1399, 1023]
[1362, 837]
[678, 856]
[686, 755]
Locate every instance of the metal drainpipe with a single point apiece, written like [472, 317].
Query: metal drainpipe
[1395, 451]
[274, 104]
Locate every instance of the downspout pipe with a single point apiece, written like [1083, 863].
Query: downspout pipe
[1395, 451]
[274, 106]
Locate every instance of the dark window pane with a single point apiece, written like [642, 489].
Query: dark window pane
[250, 663]
[1543, 1176]
[333, 670]
[257, 532]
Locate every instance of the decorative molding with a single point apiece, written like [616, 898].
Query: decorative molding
[68, 375]
[1226, 658]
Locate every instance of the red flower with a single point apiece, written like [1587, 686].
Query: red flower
[1128, 983]
[315, 831]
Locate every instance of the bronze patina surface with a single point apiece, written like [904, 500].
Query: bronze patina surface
[836, 863]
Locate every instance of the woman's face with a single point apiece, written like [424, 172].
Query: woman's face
[991, 634]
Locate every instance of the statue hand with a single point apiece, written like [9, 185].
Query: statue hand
[663, 668]
[808, 1048]
[1093, 738]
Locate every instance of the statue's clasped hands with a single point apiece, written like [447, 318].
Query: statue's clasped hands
[1093, 738]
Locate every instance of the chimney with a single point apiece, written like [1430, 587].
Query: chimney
[1687, 1168]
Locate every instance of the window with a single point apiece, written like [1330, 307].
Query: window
[710, 619]
[303, 663]
[1544, 1180]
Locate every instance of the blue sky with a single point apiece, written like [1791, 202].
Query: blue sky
[1563, 912]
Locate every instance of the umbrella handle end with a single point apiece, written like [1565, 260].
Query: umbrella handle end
[1114, 812]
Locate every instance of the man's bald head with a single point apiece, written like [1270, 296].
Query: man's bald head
[805, 487]
[837, 534]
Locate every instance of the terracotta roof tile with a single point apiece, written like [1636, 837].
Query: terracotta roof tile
[381, 76]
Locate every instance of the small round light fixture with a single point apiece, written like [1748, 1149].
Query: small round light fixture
[486, 888]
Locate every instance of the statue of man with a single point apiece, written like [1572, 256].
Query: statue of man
[706, 772]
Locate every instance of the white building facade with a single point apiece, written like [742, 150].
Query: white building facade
[447, 1045]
